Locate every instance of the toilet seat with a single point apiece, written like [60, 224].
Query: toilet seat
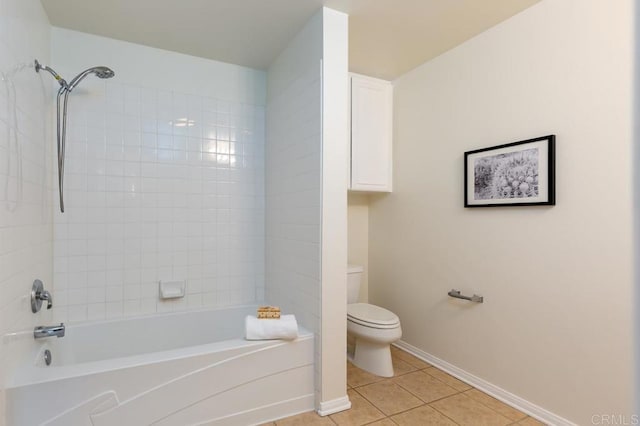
[372, 316]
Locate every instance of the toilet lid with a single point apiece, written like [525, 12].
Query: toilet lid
[372, 316]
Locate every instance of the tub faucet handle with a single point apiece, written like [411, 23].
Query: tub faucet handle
[45, 295]
[38, 295]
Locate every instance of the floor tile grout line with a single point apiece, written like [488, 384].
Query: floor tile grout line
[462, 392]
[426, 405]
[407, 410]
[444, 397]
[371, 402]
[373, 405]
[467, 384]
[392, 381]
[448, 396]
[435, 378]
[386, 417]
[389, 415]
[413, 408]
[440, 412]
[493, 409]
[456, 393]
[387, 378]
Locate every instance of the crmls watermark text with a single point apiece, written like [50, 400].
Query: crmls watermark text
[615, 419]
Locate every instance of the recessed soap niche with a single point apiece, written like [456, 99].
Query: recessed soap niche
[171, 289]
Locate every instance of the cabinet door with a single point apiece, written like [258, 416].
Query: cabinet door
[371, 134]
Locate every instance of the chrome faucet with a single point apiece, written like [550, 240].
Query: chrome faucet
[48, 331]
[38, 295]
[45, 295]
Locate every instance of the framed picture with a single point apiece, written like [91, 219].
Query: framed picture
[514, 174]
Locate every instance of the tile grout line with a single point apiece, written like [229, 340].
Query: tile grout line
[424, 369]
[387, 418]
[390, 379]
[371, 402]
[458, 392]
[428, 404]
[438, 411]
[482, 403]
[409, 409]
[467, 390]
[373, 405]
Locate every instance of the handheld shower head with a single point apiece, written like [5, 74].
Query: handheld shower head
[100, 72]
[104, 72]
[62, 100]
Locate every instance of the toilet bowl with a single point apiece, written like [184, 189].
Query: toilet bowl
[373, 327]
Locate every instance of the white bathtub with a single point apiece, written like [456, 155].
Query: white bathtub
[173, 369]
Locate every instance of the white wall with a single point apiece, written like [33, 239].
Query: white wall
[358, 237]
[636, 191]
[335, 137]
[26, 145]
[296, 189]
[148, 199]
[556, 325]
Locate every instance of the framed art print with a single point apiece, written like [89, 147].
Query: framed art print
[514, 174]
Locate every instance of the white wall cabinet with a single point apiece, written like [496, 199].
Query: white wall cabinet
[371, 134]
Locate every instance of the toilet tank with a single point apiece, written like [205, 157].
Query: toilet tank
[354, 278]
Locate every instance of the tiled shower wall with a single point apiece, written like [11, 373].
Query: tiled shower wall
[25, 158]
[163, 185]
[25, 179]
[294, 181]
[293, 199]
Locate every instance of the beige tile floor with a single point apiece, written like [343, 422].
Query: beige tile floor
[419, 394]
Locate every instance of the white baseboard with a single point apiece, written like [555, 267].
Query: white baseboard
[334, 406]
[508, 398]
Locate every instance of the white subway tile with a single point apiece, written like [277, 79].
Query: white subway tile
[77, 313]
[96, 311]
[114, 309]
[152, 212]
[96, 295]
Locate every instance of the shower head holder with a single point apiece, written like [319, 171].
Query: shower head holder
[51, 71]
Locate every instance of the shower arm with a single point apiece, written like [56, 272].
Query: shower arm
[55, 75]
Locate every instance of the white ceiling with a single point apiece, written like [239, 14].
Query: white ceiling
[386, 37]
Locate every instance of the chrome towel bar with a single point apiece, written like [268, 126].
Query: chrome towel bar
[475, 298]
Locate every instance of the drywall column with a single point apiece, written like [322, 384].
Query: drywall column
[335, 136]
[306, 201]
[636, 215]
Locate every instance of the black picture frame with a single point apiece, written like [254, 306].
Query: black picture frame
[514, 174]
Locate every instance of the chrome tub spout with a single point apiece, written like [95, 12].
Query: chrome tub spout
[48, 331]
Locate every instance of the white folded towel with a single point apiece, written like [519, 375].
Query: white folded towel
[267, 329]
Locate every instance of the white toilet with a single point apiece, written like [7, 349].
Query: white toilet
[373, 327]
